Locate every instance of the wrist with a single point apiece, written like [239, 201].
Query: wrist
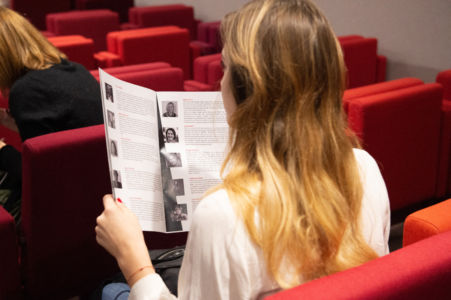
[131, 260]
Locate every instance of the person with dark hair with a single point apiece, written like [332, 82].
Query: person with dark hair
[299, 199]
[171, 136]
[47, 93]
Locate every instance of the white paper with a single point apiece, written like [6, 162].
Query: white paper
[161, 170]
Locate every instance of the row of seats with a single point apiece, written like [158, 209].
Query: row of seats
[149, 24]
[364, 65]
[398, 123]
[96, 24]
[36, 11]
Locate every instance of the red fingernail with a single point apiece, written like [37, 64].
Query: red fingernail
[119, 200]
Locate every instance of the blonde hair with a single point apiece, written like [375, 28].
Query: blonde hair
[22, 48]
[293, 177]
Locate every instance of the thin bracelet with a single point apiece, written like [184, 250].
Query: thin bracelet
[139, 271]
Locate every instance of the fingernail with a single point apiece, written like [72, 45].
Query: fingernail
[119, 200]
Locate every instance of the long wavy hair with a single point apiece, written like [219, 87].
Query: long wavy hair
[22, 48]
[292, 175]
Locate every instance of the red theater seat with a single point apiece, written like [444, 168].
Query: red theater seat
[427, 222]
[164, 15]
[65, 175]
[132, 68]
[94, 24]
[77, 48]
[444, 183]
[416, 272]
[169, 44]
[10, 137]
[401, 130]
[378, 88]
[363, 64]
[35, 11]
[208, 32]
[10, 285]
[207, 73]
[119, 6]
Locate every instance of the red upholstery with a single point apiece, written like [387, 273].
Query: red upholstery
[166, 79]
[36, 11]
[360, 59]
[207, 73]
[419, 271]
[119, 6]
[132, 68]
[65, 175]
[444, 172]
[12, 138]
[94, 24]
[9, 262]
[444, 78]
[444, 181]
[208, 32]
[77, 48]
[154, 16]
[400, 129]
[196, 86]
[427, 222]
[169, 44]
[378, 88]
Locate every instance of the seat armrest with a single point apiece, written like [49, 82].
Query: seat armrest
[9, 260]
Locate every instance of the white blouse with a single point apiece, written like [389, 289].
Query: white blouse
[221, 262]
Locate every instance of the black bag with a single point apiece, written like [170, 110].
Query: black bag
[167, 263]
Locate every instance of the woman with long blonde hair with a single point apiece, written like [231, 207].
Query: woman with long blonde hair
[299, 200]
[46, 92]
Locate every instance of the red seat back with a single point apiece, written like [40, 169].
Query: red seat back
[401, 129]
[169, 44]
[35, 11]
[94, 24]
[77, 48]
[65, 175]
[154, 16]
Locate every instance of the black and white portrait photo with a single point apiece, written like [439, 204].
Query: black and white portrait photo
[170, 109]
[117, 182]
[109, 92]
[113, 148]
[111, 119]
[170, 135]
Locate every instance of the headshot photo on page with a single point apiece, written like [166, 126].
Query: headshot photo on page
[117, 182]
[111, 119]
[170, 135]
[113, 148]
[170, 109]
[173, 160]
[109, 92]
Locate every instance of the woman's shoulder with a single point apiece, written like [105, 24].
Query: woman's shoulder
[217, 202]
[214, 212]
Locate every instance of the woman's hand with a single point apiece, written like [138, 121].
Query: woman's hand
[7, 120]
[2, 143]
[119, 232]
